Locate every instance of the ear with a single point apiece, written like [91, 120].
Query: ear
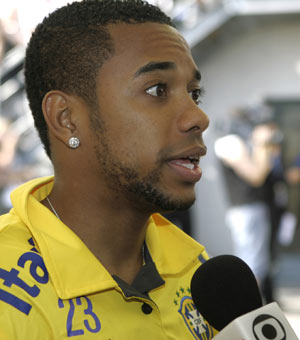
[57, 110]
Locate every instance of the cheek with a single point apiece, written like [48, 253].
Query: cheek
[137, 140]
[137, 129]
[140, 147]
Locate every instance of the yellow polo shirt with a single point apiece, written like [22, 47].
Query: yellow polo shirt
[53, 287]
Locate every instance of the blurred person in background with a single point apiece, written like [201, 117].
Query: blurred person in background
[250, 155]
[293, 172]
[288, 228]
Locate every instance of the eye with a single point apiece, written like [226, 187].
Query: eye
[197, 94]
[158, 90]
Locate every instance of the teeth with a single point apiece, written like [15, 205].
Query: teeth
[189, 166]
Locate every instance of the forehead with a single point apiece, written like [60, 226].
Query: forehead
[147, 35]
[139, 44]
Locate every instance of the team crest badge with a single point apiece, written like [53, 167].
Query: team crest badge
[199, 328]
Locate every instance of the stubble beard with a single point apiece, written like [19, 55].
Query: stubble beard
[143, 191]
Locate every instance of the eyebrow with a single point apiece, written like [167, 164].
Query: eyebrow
[162, 65]
[154, 66]
[197, 75]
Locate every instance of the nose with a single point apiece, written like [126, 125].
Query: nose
[193, 119]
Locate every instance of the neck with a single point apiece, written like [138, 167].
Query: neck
[112, 230]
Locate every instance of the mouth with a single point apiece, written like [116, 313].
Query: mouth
[190, 162]
[186, 164]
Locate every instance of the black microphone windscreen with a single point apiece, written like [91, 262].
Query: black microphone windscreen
[224, 288]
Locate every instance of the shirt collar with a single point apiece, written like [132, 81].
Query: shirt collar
[73, 269]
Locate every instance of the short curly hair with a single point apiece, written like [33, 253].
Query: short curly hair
[68, 48]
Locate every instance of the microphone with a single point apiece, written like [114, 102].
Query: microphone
[226, 294]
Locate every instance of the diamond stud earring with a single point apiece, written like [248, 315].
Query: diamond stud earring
[74, 142]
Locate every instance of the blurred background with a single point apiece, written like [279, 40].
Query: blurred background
[248, 52]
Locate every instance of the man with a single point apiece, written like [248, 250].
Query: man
[114, 92]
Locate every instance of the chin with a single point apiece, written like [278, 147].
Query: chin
[154, 197]
[165, 204]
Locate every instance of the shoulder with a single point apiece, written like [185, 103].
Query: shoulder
[170, 234]
[15, 240]
[22, 277]
[20, 262]
[173, 251]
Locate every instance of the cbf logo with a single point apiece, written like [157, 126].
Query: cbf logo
[194, 321]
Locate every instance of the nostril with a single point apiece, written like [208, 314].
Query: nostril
[195, 129]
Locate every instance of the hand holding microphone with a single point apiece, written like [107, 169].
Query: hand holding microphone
[226, 293]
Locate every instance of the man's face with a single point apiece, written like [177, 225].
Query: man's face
[148, 131]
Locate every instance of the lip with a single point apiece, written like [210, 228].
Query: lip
[184, 173]
[197, 151]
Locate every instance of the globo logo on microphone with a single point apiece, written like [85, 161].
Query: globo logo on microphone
[267, 327]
